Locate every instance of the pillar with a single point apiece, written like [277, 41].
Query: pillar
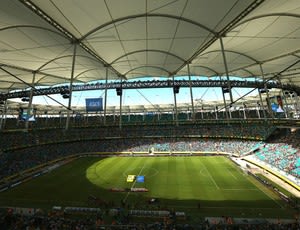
[258, 110]
[70, 88]
[3, 115]
[226, 69]
[191, 93]
[29, 109]
[175, 103]
[105, 94]
[120, 120]
[244, 110]
[267, 92]
[262, 104]
[286, 109]
[224, 102]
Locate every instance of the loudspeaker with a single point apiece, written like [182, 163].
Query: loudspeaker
[119, 91]
[262, 90]
[176, 89]
[225, 90]
[65, 96]
[24, 99]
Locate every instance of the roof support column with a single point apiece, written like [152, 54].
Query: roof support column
[225, 106]
[175, 91]
[120, 117]
[286, 110]
[296, 101]
[29, 110]
[226, 70]
[105, 94]
[267, 92]
[262, 104]
[294, 107]
[244, 110]
[258, 110]
[191, 92]
[216, 112]
[3, 115]
[70, 88]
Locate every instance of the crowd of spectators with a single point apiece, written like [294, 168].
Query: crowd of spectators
[200, 145]
[282, 156]
[12, 221]
[288, 136]
[18, 138]
[282, 152]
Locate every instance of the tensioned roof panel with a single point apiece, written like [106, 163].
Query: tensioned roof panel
[127, 26]
[196, 70]
[275, 7]
[214, 60]
[27, 46]
[223, 11]
[159, 59]
[135, 38]
[273, 67]
[265, 37]
[170, 36]
[78, 17]
[261, 48]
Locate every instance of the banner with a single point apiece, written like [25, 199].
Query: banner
[94, 104]
[140, 179]
[276, 104]
[24, 116]
[130, 178]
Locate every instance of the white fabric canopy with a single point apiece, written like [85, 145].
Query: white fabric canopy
[138, 38]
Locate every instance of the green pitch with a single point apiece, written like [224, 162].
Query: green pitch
[199, 186]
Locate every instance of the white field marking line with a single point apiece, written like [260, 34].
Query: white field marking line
[45, 200]
[246, 176]
[210, 176]
[133, 183]
[201, 172]
[247, 208]
[232, 174]
[227, 169]
[100, 176]
[216, 207]
[272, 198]
[240, 189]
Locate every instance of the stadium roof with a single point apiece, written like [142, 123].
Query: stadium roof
[137, 38]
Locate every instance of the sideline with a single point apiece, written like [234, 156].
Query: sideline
[275, 179]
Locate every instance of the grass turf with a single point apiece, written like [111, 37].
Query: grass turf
[199, 186]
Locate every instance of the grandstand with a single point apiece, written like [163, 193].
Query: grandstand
[193, 122]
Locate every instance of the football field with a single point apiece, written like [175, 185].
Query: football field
[199, 186]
